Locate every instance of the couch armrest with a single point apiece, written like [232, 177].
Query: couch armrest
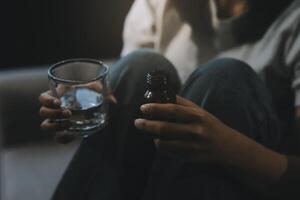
[19, 91]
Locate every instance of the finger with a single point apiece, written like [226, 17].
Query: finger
[168, 130]
[185, 102]
[64, 137]
[49, 126]
[111, 99]
[177, 112]
[62, 88]
[46, 113]
[46, 99]
[111, 95]
[97, 86]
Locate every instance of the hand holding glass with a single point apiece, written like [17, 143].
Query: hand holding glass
[82, 87]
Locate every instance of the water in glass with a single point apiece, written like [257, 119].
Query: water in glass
[86, 107]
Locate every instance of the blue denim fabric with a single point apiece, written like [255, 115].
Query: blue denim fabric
[120, 162]
[231, 90]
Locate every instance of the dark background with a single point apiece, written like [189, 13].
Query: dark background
[39, 32]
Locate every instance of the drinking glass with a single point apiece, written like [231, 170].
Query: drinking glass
[82, 87]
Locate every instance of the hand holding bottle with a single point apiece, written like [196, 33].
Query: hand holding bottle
[198, 136]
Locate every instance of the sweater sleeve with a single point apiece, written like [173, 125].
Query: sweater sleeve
[139, 28]
[292, 52]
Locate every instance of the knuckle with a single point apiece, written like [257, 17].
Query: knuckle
[41, 98]
[44, 126]
[209, 120]
[45, 99]
[199, 130]
[42, 112]
[201, 115]
[160, 128]
[175, 109]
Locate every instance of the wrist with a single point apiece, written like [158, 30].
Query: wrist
[275, 167]
[256, 160]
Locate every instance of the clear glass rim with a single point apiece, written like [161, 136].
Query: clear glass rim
[87, 60]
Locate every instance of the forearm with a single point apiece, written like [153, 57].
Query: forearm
[278, 174]
[250, 158]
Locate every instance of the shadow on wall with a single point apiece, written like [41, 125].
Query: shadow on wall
[41, 32]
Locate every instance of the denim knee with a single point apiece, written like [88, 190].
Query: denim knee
[236, 68]
[138, 63]
[221, 72]
[231, 90]
[146, 60]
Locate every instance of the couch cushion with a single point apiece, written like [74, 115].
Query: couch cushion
[33, 171]
[19, 106]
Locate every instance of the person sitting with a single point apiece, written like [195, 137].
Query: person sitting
[225, 108]
[190, 33]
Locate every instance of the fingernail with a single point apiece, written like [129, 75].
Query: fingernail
[145, 108]
[139, 123]
[67, 113]
[56, 102]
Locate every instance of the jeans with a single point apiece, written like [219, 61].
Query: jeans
[120, 162]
